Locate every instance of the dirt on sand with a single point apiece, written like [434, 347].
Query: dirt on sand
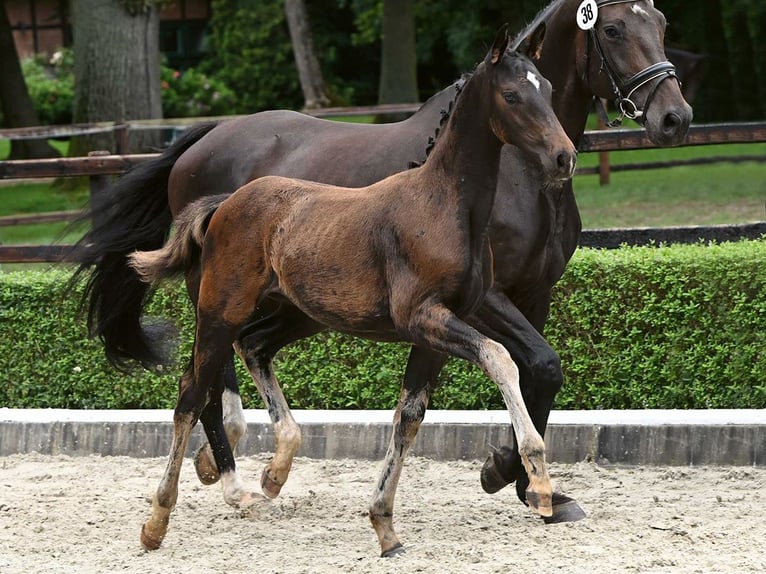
[83, 515]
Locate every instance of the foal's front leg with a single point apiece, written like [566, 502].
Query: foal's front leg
[541, 379]
[443, 331]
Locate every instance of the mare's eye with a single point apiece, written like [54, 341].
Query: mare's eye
[611, 32]
[511, 97]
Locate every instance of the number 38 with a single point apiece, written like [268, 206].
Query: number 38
[587, 13]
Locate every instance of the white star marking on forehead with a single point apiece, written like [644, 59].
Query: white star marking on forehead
[636, 9]
[534, 80]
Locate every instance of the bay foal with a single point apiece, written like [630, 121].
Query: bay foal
[404, 259]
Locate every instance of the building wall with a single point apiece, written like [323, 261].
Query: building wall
[42, 26]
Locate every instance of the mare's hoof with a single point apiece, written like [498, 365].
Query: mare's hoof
[498, 471]
[150, 542]
[396, 550]
[565, 509]
[207, 471]
[269, 486]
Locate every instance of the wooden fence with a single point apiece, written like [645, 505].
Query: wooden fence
[99, 167]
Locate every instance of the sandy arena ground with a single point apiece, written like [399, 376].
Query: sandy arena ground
[83, 515]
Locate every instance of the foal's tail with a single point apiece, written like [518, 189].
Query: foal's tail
[181, 250]
[137, 216]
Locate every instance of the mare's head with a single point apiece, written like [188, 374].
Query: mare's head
[521, 113]
[623, 59]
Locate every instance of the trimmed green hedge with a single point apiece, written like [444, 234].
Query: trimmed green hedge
[669, 327]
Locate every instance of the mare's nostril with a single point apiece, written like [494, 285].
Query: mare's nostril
[671, 122]
[565, 163]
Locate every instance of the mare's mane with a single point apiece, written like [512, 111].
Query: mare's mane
[542, 16]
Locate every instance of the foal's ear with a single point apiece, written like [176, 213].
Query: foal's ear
[499, 46]
[532, 45]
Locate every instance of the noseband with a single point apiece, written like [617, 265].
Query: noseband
[624, 91]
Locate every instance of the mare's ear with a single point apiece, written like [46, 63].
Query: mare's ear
[499, 46]
[532, 45]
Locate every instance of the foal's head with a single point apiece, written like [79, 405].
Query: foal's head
[521, 112]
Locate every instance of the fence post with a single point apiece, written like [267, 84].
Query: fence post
[121, 137]
[604, 172]
[99, 196]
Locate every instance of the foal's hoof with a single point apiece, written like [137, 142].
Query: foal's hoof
[269, 486]
[498, 470]
[207, 471]
[396, 550]
[149, 541]
[565, 509]
[542, 503]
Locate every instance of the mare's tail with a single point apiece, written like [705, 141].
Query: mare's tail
[182, 249]
[137, 217]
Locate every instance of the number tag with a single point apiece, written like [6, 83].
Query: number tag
[587, 14]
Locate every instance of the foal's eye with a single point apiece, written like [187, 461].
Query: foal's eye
[511, 97]
[611, 32]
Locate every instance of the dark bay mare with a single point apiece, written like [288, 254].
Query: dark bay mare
[404, 259]
[534, 228]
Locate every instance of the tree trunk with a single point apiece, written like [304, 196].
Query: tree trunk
[17, 107]
[398, 74]
[309, 72]
[117, 70]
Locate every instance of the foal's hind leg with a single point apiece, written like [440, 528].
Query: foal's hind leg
[410, 411]
[199, 382]
[154, 530]
[287, 433]
[257, 346]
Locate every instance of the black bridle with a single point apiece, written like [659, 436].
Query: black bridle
[624, 90]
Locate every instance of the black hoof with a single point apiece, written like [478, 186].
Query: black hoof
[397, 550]
[565, 509]
[499, 470]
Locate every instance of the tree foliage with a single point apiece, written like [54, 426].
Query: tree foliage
[250, 52]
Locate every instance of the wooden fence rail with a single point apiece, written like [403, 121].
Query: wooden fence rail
[98, 166]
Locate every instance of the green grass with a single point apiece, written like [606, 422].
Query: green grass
[27, 198]
[687, 195]
[5, 147]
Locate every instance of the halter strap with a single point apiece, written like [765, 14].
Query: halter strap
[624, 91]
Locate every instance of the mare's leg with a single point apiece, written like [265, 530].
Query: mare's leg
[540, 380]
[233, 422]
[257, 345]
[423, 367]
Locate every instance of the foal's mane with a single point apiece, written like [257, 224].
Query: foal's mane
[444, 113]
[542, 16]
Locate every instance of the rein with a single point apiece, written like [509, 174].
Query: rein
[624, 91]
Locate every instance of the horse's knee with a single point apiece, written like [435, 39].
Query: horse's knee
[546, 373]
